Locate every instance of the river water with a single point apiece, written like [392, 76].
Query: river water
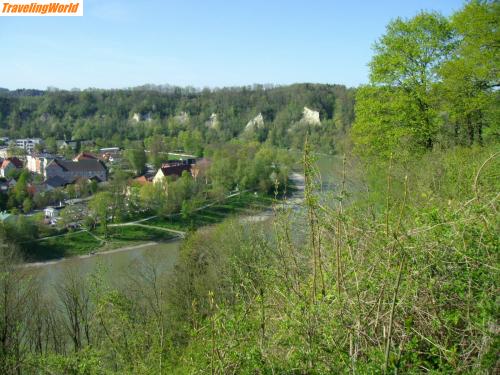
[114, 265]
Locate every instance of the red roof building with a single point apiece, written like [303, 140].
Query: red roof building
[85, 156]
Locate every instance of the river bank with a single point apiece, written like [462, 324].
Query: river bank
[238, 208]
[108, 252]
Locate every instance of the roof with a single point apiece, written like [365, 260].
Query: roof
[45, 155]
[84, 156]
[56, 182]
[174, 170]
[180, 161]
[85, 165]
[15, 162]
[5, 163]
[142, 180]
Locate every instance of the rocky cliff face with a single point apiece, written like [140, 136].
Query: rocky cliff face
[182, 117]
[212, 122]
[310, 117]
[256, 123]
[137, 117]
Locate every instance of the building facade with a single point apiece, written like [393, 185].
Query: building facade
[38, 163]
[28, 144]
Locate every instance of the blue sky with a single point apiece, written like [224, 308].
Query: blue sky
[200, 43]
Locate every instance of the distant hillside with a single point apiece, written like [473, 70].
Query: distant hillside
[111, 116]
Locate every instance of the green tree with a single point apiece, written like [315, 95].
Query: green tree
[71, 214]
[51, 145]
[471, 76]
[403, 73]
[137, 158]
[101, 206]
[27, 205]
[21, 188]
[157, 150]
[151, 196]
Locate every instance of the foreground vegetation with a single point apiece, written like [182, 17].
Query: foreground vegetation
[404, 278]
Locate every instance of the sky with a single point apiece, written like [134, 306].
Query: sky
[200, 43]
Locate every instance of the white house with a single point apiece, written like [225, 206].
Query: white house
[37, 163]
[28, 144]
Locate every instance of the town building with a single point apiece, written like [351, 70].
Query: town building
[110, 154]
[52, 213]
[63, 144]
[72, 170]
[6, 185]
[85, 156]
[36, 163]
[28, 144]
[75, 144]
[9, 164]
[173, 168]
[54, 183]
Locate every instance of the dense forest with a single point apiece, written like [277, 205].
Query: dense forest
[393, 270]
[179, 114]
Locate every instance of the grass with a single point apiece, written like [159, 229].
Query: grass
[76, 243]
[130, 233]
[245, 203]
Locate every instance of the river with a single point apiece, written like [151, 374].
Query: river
[116, 264]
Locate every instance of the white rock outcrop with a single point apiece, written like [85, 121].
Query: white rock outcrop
[137, 117]
[182, 117]
[212, 122]
[256, 123]
[310, 117]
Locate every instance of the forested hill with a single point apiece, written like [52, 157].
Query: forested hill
[111, 116]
